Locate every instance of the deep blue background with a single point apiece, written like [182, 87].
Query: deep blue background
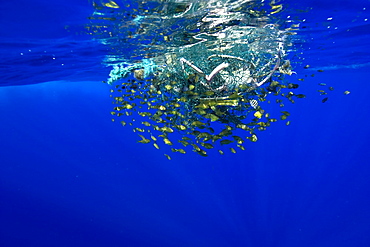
[71, 177]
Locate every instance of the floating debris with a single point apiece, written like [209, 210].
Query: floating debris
[200, 86]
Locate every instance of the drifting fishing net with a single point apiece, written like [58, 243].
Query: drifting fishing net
[195, 73]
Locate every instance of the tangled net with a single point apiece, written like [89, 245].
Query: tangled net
[195, 71]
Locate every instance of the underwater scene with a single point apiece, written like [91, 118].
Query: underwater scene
[185, 123]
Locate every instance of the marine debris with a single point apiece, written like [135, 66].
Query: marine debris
[196, 75]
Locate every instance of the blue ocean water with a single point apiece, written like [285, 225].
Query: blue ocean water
[69, 176]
